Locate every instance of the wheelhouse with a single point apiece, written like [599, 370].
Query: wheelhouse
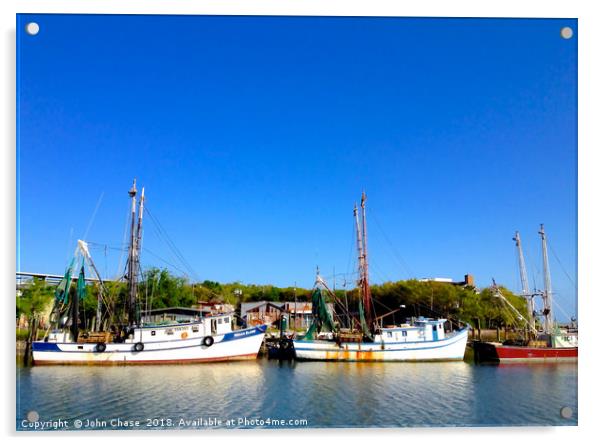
[422, 329]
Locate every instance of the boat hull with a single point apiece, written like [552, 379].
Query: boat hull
[448, 349]
[496, 352]
[236, 345]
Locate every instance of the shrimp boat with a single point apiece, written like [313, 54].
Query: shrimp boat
[549, 344]
[131, 341]
[419, 339]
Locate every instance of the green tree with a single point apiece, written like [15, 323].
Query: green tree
[35, 299]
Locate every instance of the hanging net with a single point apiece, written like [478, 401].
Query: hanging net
[322, 317]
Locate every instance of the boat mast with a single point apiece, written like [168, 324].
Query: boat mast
[138, 248]
[547, 293]
[360, 253]
[525, 282]
[132, 260]
[139, 228]
[366, 282]
[360, 249]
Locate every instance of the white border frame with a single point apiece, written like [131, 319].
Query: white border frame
[589, 181]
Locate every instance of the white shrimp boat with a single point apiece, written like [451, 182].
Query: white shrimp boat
[165, 344]
[424, 340]
[131, 341]
[420, 339]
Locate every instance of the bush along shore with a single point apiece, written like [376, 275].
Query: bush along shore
[160, 289]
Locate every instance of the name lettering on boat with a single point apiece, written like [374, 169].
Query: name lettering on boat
[244, 333]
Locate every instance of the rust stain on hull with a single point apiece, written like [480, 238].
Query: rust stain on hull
[356, 356]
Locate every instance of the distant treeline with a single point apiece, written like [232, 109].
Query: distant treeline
[160, 289]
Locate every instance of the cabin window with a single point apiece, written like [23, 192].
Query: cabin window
[439, 326]
[80, 347]
[404, 333]
[227, 320]
[169, 331]
[219, 321]
[390, 334]
[153, 332]
[195, 328]
[434, 327]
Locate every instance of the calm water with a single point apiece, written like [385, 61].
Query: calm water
[322, 394]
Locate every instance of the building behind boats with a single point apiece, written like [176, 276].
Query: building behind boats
[269, 312]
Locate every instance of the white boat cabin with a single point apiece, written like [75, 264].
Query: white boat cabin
[206, 326]
[565, 339]
[214, 325]
[421, 329]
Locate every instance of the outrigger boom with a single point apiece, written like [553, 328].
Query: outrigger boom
[130, 341]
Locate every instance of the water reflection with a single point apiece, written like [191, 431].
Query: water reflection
[326, 394]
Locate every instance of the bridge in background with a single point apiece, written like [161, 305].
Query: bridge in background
[25, 278]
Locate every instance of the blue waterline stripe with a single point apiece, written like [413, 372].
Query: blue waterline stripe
[459, 333]
[378, 350]
[41, 346]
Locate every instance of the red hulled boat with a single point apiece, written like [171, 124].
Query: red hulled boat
[508, 353]
[552, 344]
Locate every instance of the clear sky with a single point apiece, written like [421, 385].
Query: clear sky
[254, 136]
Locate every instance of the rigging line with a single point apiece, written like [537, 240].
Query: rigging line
[123, 243]
[174, 256]
[394, 250]
[382, 304]
[560, 263]
[381, 273]
[559, 307]
[146, 249]
[518, 322]
[513, 320]
[331, 277]
[155, 284]
[93, 215]
[210, 290]
[172, 245]
[534, 266]
[201, 285]
[503, 305]
[101, 287]
[146, 295]
[97, 246]
[350, 259]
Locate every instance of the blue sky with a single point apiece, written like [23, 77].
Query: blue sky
[254, 136]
